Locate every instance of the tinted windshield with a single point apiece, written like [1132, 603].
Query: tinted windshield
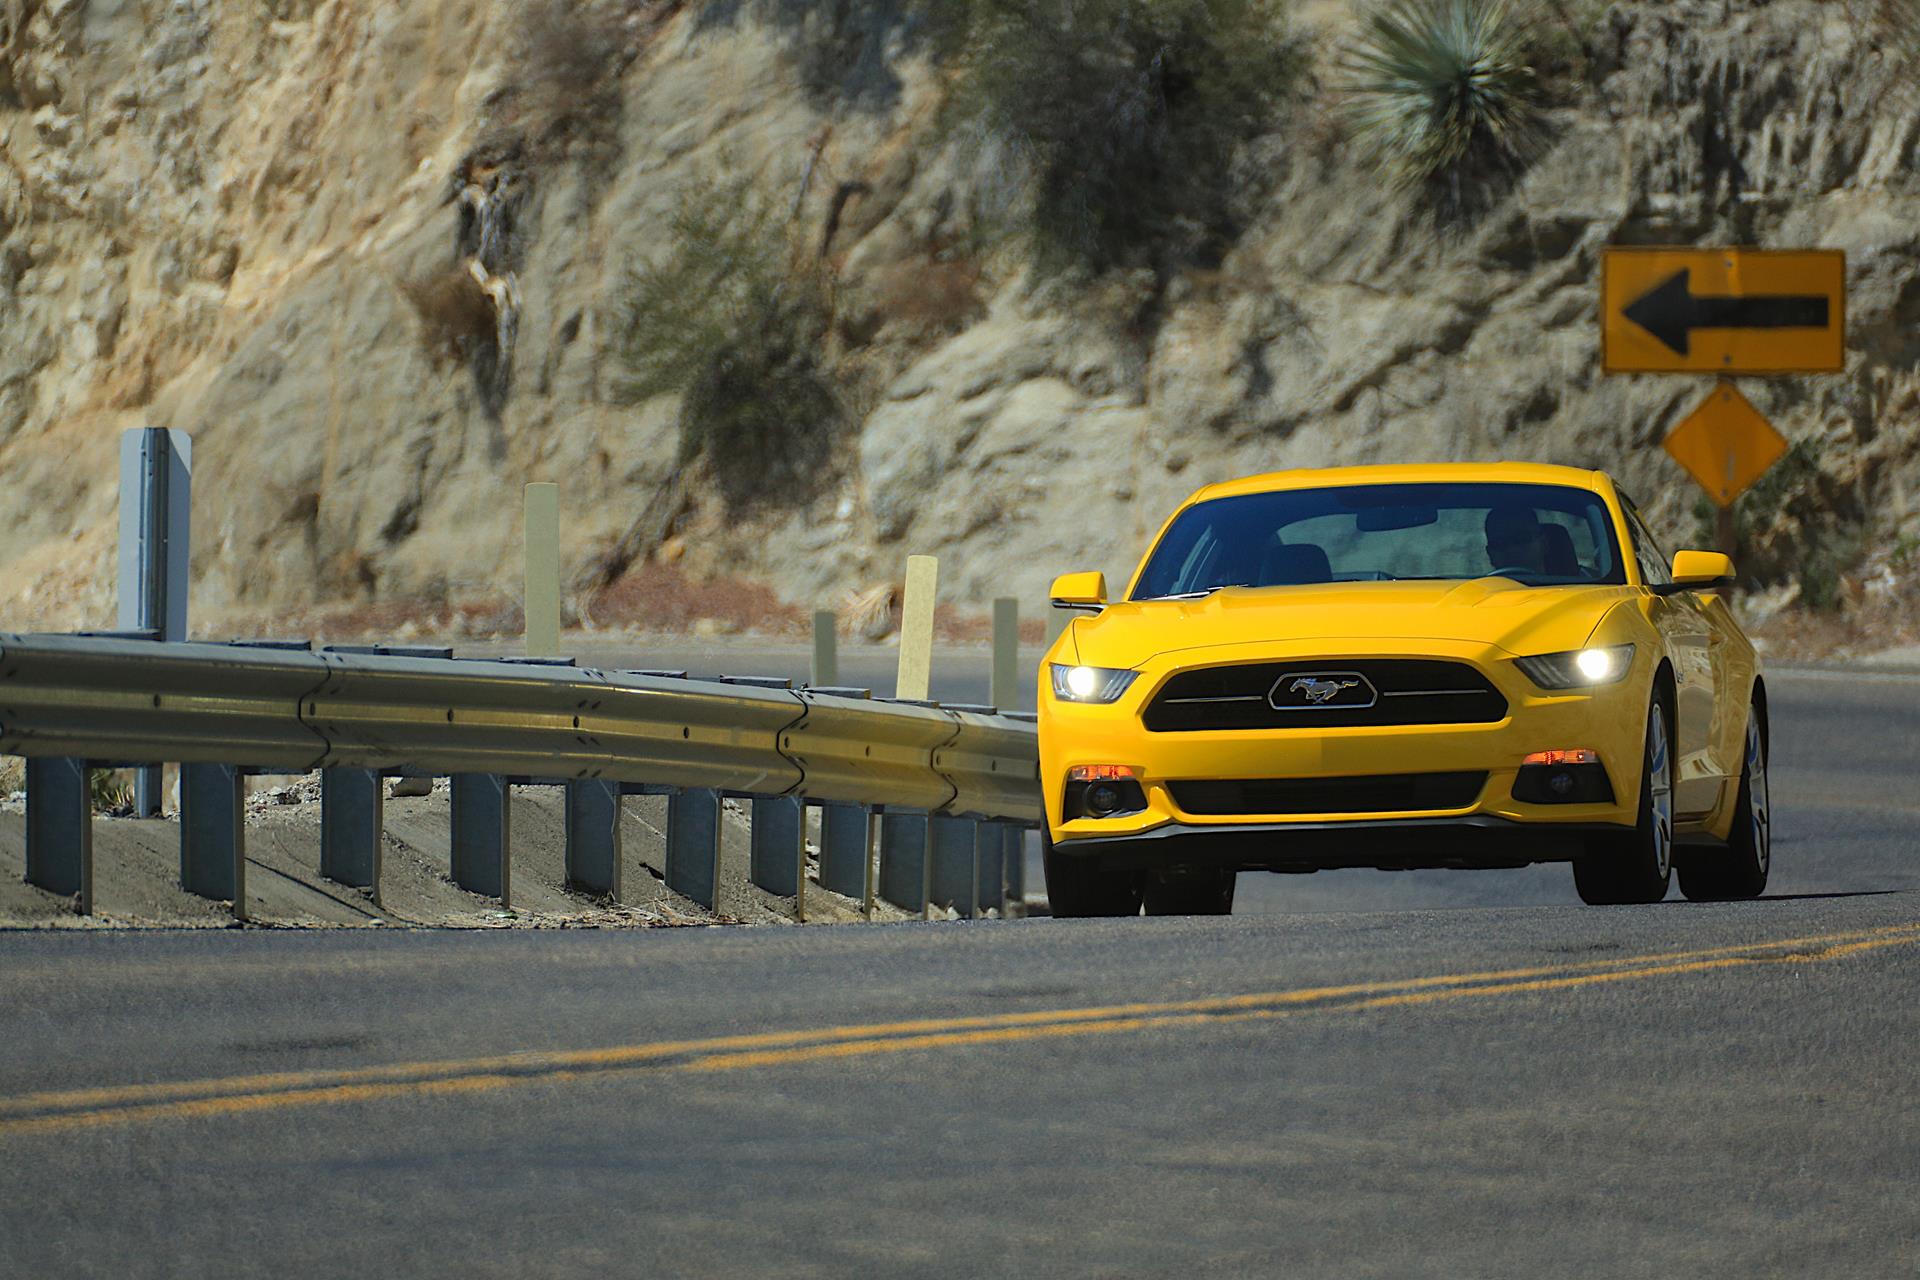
[1541, 535]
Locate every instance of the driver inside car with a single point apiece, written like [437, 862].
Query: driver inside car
[1516, 540]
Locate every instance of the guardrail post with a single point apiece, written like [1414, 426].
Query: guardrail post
[826, 650]
[593, 837]
[954, 871]
[778, 862]
[990, 859]
[482, 835]
[846, 850]
[213, 839]
[60, 829]
[693, 845]
[156, 502]
[904, 849]
[1016, 866]
[352, 816]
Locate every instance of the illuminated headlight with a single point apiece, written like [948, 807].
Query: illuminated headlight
[1089, 684]
[1578, 668]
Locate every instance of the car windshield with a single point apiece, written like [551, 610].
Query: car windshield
[1540, 535]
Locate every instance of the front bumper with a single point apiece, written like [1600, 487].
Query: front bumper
[1476, 841]
[1610, 720]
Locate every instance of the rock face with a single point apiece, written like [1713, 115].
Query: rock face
[221, 218]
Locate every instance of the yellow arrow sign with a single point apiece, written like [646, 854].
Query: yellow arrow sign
[1726, 445]
[1723, 310]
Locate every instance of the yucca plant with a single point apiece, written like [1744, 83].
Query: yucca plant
[1441, 93]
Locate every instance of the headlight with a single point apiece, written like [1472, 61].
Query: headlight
[1089, 684]
[1578, 668]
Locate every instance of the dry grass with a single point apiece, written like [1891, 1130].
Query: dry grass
[661, 597]
[931, 297]
[456, 315]
[1866, 623]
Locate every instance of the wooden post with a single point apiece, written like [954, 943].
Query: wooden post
[542, 544]
[916, 629]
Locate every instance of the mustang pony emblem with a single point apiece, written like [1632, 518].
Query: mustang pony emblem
[1320, 691]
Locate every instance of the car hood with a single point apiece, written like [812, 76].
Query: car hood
[1492, 611]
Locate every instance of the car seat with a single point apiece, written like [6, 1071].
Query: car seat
[1293, 564]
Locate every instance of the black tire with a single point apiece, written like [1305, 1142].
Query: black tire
[1079, 887]
[1739, 871]
[1638, 865]
[1196, 893]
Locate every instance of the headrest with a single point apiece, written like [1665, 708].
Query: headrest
[1294, 564]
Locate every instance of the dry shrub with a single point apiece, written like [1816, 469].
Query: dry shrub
[569, 56]
[13, 775]
[456, 315]
[931, 296]
[661, 597]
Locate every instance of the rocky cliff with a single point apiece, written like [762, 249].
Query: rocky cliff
[381, 260]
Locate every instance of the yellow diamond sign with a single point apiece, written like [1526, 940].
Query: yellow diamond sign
[1726, 445]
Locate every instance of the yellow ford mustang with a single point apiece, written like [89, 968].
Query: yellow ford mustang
[1413, 666]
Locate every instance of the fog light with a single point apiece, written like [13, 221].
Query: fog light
[1103, 791]
[1564, 775]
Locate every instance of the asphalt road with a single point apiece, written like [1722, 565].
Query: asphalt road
[1420, 1076]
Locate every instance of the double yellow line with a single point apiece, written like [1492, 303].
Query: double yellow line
[73, 1109]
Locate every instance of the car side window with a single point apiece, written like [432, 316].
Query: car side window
[1654, 565]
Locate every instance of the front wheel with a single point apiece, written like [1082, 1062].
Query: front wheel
[1078, 887]
[1739, 871]
[1637, 866]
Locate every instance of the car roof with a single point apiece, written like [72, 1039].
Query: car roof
[1407, 473]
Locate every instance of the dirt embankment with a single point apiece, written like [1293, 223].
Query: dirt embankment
[382, 262]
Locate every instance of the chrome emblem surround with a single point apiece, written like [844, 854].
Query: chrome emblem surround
[1316, 691]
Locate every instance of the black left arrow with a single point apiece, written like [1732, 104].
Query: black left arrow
[1671, 311]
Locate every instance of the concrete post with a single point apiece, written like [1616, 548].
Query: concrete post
[593, 837]
[778, 862]
[483, 835]
[846, 850]
[60, 829]
[352, 817]
[904, 854]
[213, 847]
[990, 858]
[693, 845]
[953, 876]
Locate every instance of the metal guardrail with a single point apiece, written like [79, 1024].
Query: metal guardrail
[222, 711]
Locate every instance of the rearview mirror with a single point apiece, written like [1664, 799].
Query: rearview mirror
[1699, 571]
[1079, 591]
[1387, 519]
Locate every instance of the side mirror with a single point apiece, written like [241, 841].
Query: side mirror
[1700, 571]
[1079, 591]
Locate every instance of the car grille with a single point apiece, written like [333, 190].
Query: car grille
[1368, 692]
[1375, 793]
